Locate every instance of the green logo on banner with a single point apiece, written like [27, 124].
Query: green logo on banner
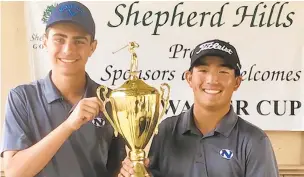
[47, 12]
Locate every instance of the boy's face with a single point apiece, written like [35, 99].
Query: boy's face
[213, 83]
[69, 48]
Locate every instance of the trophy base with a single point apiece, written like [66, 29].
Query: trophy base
[137, 157]
[140, 169]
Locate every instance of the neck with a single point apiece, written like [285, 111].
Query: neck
[207, 119]
[71, 87]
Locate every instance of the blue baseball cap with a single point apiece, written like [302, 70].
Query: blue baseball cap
[74, 12]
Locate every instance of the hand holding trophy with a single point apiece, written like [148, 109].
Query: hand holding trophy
[136, 112]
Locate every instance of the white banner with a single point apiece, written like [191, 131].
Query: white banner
[268, 36]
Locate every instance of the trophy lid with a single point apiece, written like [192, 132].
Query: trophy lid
[134, 87]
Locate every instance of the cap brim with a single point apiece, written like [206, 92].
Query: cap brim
[199, 60]
[68, 21]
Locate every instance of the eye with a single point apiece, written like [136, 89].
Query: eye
[203, 70]
[79, 42]
[59, 40]
[224, 72]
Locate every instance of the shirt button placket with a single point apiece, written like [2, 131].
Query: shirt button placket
[200, 160]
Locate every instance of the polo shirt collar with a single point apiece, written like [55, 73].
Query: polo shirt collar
[224, 127]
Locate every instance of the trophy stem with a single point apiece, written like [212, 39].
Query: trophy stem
[137, 157]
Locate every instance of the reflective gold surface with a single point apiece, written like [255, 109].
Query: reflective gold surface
[136, 112]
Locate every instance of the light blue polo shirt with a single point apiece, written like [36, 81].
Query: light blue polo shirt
[35, 109]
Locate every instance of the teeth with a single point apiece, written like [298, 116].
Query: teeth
[212, 91]
[67, 61]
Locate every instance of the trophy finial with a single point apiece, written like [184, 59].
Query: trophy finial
[134, 60]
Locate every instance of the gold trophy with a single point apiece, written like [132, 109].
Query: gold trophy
[136, 112]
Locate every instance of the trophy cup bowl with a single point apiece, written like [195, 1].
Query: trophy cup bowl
[135, 112]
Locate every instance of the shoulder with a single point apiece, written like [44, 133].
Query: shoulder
[250, 130]
[171, 120]
[258, 149]
[92, 83]
[170, 124]
[25, 91]
[255, 139]
[19, 102]
[96, 87]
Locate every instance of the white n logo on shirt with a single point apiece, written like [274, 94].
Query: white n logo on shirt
[226, 154]
[99, 122]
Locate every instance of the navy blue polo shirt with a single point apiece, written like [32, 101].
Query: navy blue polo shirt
[235, 148]
[35, 109]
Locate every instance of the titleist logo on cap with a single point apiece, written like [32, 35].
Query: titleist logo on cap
[214, 45]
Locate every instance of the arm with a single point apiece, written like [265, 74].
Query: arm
[153, 156]
[117, 153]
[30, 161]
[261, 160]
[21, 157]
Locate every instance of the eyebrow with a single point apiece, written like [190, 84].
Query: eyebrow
[81, 37]
[226, 65]
[75, 37]
[221, 65]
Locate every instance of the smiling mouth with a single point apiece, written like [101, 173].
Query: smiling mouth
[209, 91]
[67, 61]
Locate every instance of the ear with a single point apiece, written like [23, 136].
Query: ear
[93, 47]
[189, 77]
[238, 81]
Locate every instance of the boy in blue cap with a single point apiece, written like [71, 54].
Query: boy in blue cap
[55, 126]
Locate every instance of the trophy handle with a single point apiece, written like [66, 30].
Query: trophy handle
[105, 102]
[165, 99]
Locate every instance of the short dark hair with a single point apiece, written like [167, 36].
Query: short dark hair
[237, 72]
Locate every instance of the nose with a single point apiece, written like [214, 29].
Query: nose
[212, 78]
[68, 48]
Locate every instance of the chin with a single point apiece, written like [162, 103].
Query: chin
[214, 105]
[211, 106]
[68, 73]
[71, 71]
